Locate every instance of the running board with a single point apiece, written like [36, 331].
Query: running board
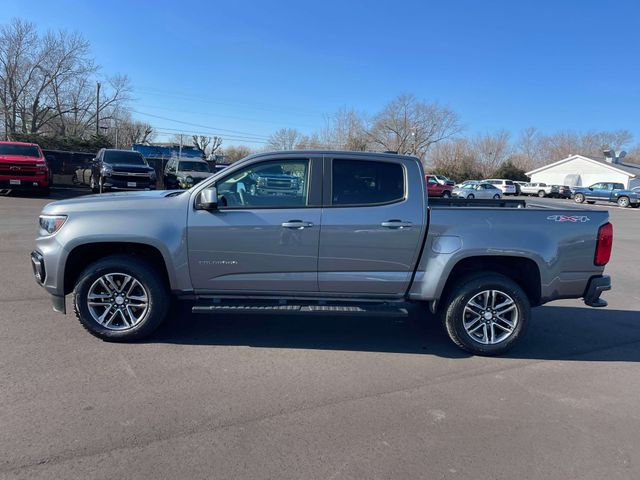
[371, 310]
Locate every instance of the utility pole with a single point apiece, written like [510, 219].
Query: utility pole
[180, 151]
[98, 109]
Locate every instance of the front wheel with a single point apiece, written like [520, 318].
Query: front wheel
[446, 194]
[579, 198]
[541, 194]
[471, 196]
[496, 196]
[121, 298]
[487, 314]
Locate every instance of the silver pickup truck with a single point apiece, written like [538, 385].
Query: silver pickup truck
[359, 236]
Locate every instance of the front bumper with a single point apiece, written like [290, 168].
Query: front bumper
[134, 183]
[26, 183]
[40, 274]
[597, 285]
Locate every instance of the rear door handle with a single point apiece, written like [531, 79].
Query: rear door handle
[297, 224]
[396, 224]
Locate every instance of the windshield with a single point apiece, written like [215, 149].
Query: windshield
[21, 150]
[128, 158]
[193, 167]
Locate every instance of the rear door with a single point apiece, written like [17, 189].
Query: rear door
[373, 221]
[263, 238]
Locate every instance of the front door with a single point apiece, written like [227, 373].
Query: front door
[371, 228]
[264, 235]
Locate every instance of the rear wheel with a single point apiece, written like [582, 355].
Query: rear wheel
[496, 196]
[446, 194]
[471, 196]
[541, 194]
[121, 298]
[487, 314]
[623, 202]
[579, 198]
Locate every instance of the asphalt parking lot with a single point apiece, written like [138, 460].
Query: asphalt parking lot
[293, 397]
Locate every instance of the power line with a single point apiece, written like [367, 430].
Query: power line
[204, 99]
[222, 116]
[265, 137]
[175, 131]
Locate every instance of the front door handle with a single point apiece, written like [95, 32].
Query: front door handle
[399, 224]
[297, 224]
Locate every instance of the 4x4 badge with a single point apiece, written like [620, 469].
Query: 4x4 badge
[567, 218]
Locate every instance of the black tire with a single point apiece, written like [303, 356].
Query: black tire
[541, 194]
[471, 196]
[141, 270]
[623, 202]
[464, 292]
[496, 196]
[446, 194]
[579, 198]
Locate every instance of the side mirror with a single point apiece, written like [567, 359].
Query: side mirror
[208, 199]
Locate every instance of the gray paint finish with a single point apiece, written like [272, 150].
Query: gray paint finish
[347, 251]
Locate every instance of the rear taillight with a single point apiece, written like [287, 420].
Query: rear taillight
[603, 247]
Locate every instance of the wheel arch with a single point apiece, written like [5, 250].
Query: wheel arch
[87, 253]
[523, 271]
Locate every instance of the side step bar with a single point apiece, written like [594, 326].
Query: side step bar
[374, 310]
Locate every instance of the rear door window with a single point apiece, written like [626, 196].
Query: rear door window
[364, 182]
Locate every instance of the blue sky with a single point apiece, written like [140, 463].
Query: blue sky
[254, 67]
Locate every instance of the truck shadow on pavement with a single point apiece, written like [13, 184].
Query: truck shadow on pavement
[555, 333]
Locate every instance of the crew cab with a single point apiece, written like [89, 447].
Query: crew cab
[540, 189]
[607, 192]
[436, 188]
[360, 236]
[117, 170]
[23, 166]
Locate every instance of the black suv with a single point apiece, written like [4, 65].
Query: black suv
[121, 170]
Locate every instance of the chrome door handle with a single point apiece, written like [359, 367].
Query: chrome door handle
[297, 224]
[399, 224]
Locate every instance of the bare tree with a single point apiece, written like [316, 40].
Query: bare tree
[235, 153]
[410, 126]
[284, 139]
[346, 130]
[490, 151]
[309, 142]
[47, 83]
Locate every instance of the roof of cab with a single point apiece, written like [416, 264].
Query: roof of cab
[333, 153]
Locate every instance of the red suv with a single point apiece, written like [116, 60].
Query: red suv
[22, 165]
[437, 189]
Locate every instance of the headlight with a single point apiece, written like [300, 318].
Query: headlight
[50, 224]
[107, 170]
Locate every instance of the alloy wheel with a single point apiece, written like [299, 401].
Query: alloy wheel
[117, 301]
[490, 317]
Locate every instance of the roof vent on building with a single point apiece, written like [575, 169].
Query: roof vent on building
[611, 156]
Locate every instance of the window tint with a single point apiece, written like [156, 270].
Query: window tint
[508, 182]
[124, 157]
[20, 150]
[267, 184]
[192, 166]
[358, 182]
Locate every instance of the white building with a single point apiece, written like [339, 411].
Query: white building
[581, 171]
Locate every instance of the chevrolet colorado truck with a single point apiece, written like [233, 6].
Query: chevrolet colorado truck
[360, 236]
[23, 166]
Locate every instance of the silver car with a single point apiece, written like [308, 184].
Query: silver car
[477, 190]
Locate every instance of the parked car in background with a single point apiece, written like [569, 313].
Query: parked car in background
[564, 191]
[119, 170]
[518, 186]
[466, 182]
[185, 173]
[607, 192]
[220, 166]
[23, 166]
[443, 180]
[437, 189]
[539, 189]
[478, 190]
[507, 187]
